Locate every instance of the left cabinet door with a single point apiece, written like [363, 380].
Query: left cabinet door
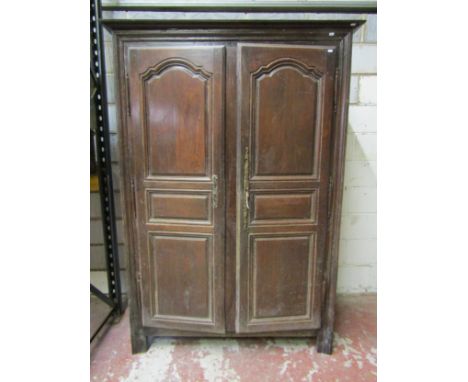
[175, 155]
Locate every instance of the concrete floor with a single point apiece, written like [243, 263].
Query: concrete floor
[354, 358]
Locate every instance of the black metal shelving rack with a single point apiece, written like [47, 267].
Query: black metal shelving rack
[104, 170]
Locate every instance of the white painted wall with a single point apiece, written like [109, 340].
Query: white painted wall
[358, 246]
[357, 270]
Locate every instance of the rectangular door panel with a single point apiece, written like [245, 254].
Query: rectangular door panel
[280, 207]
[176, 132]
[181, 268]
[281, 272]
[179, 206]
[285, 114]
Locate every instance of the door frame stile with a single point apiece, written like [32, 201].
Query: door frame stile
[337, 165]
[139, 340]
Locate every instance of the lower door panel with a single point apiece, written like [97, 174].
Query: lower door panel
[280, 282]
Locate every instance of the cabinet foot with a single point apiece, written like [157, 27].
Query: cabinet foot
[140, 343]
[325, 341]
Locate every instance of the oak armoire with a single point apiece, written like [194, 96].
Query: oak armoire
[232, 139]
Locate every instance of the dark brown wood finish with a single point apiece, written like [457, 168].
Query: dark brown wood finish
[176, 117]
[337, 165]
[232, 174]
[186, 111]
[286, 94]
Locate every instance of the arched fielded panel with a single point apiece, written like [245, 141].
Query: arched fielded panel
[176, 100]
[286, 102]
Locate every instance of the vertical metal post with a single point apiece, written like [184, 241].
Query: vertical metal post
[103, 155]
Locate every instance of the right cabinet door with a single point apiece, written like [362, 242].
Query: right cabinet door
[285, 112]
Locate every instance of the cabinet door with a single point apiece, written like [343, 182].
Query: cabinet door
[286, 111]
[175, 133]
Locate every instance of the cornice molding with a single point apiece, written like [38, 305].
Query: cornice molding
[263, 6]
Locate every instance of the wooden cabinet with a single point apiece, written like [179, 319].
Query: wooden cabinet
[232, 151]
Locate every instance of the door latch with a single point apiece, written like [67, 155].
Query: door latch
[132, 185]
[246, 187]
[215, 191]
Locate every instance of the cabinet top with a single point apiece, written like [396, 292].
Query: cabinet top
[348, 6]
[232, 27]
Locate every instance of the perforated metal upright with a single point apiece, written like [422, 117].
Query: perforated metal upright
[106, 191]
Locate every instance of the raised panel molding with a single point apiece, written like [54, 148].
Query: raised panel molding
[187, 301]
[308, 71]
[160, 67]
[287, 148]
[269, 287]
[177, 116]
[283, 207]
[178, 206]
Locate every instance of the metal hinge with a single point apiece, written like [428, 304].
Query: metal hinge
[138, 277]
[129, 109]
[335, 93]
[132, 185]
[324, 289]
